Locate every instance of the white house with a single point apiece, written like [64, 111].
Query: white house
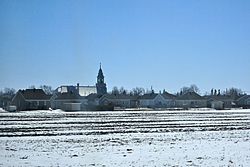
[68, 101]
[154, 100]
[148, 100]
[169, 99]
[190, 99]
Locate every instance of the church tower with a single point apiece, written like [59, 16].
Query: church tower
[100, 85]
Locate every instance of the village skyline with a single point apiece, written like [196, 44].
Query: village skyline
[136, 90]
[122, 90]
[96, 97]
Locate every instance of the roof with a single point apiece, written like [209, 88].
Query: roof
[64, 96]
[219, 97]
[93, 96]
[120, 96]
[100, 73]
[148, 96]
[34, 94]
[83, 90]
[190, 96]
[243, 97]
[167, 95]
[217, 101]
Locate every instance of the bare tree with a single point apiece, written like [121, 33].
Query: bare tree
[191, 88]
[6, 96]
[9, 92]
[184, 90]
[233, 92]
[47, 89]
[123, 91]
[137, 91]
[115, 91]
[194, 88]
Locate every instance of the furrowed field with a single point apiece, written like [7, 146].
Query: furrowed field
[131, 138]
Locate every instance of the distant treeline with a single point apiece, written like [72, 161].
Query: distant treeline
[192, 88]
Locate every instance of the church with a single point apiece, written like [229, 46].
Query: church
[76, 97]
[100, 87]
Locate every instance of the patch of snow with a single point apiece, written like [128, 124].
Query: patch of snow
[2, 110]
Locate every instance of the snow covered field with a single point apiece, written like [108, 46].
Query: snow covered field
[131, 138]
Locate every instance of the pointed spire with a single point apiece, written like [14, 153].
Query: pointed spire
[100, 76]
[101, 85]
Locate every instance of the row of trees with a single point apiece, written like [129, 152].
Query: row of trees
[192, 88]
[138, 91]
[6, 96]
[7, 92]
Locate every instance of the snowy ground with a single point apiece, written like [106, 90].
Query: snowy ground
[132, 138]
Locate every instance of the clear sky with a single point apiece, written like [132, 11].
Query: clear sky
[165, 44]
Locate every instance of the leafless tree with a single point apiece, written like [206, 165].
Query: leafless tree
[9, 92]
[138, 91]
[47, 89]
[233, 92]
[115, 91]
[123, 91]
[191, 88]
[194, 88]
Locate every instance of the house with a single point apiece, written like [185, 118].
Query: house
[31, 99]
[228, 101]
[119, 100]
[93, 99]
[169, 100]
[190, 100]
[217, 104]
[68, 101]
[150, 101]
[154, 100]
[71, 98]
[243, 101]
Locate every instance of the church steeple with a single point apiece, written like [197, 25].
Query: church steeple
[100, 85]
[100, 76]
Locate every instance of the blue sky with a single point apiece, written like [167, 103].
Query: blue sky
[165, 44]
